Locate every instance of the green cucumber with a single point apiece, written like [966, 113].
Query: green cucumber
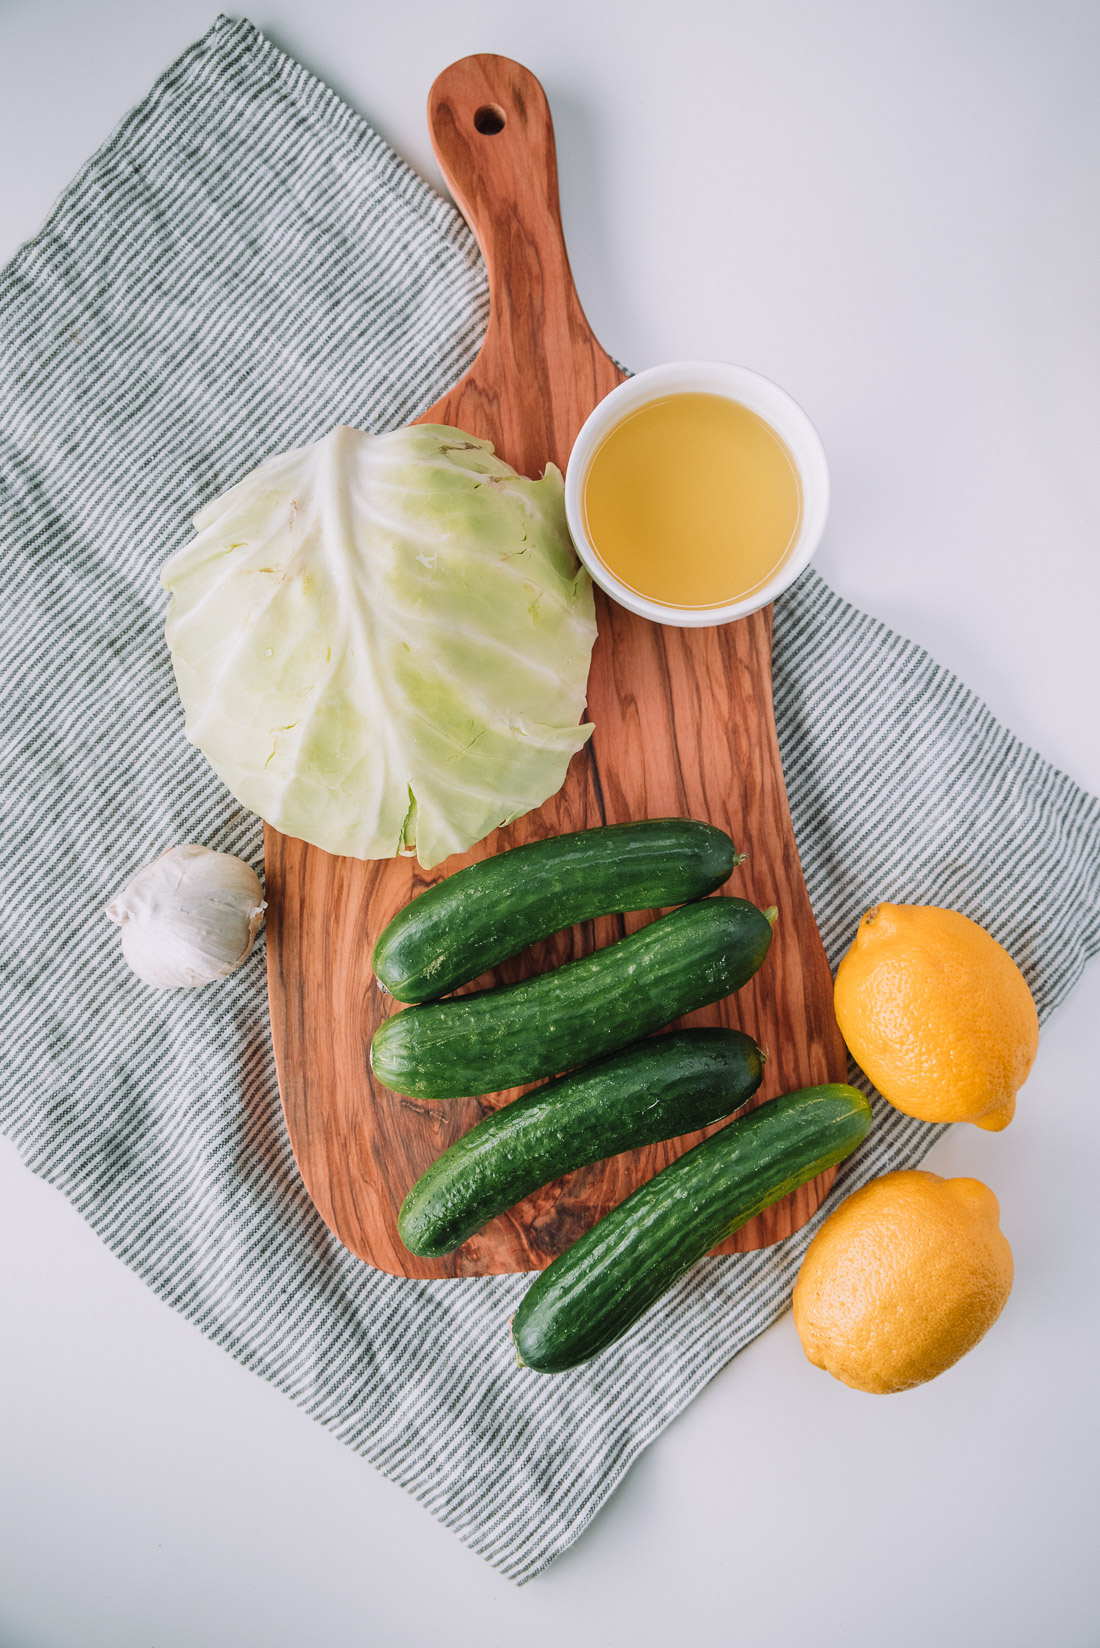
[489, 911]
[611, 1276]
[655, 1090]
[493, 1039]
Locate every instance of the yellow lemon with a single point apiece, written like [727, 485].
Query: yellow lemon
[903, 1279]
[938, 1015]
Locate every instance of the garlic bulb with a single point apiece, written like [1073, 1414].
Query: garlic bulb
[189, 917]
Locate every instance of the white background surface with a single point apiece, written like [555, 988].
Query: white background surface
[895, 212]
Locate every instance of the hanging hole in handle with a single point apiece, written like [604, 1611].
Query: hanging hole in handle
[489, 119]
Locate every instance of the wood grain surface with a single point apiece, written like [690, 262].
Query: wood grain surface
[684, 726]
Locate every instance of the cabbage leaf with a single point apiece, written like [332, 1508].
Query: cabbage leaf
[382, 641]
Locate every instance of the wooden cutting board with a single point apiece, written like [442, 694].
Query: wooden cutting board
[684, 727]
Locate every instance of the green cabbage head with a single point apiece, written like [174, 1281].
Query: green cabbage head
[382, 641]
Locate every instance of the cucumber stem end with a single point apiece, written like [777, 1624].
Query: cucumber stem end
[520, 1363]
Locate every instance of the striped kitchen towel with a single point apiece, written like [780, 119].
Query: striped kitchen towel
[243, 265]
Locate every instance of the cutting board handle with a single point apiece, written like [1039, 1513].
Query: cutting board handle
[494, 139]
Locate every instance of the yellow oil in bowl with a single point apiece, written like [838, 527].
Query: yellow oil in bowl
[692, 500]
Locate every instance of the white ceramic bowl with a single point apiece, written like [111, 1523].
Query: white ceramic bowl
[761, 396]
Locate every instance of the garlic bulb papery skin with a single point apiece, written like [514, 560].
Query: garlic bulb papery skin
[189, 917]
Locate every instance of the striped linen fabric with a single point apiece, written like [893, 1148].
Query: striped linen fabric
[243, 265]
